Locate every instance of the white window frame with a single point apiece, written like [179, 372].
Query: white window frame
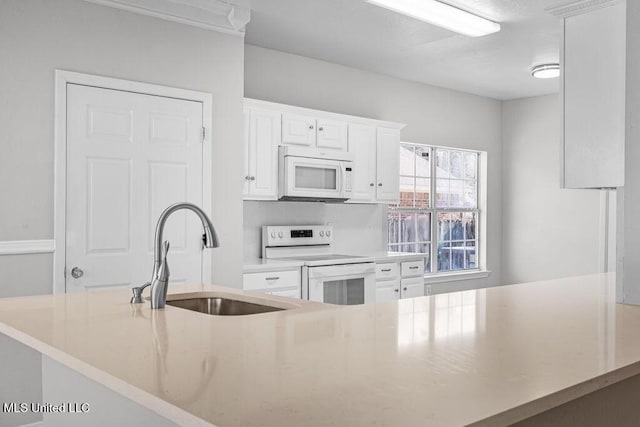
[481, 236]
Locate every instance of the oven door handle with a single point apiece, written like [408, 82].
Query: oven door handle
[340, 272]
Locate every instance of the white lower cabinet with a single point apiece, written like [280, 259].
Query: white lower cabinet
[411, 288]
[284, 283]
[388, 290]
[398, 280]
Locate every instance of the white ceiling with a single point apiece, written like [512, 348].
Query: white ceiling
[360, 35]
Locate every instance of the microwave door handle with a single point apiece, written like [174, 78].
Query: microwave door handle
[343, 178]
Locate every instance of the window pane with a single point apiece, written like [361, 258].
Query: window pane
[456, 160]
[457, 255]
[456, 193]
[444, 259]
[470, 255]
[469, 225]
[423, 192]
[406, 191]
[407, 160]
[442, 163]
[442, 193]
[444, 227]
[423, 163]
[393, 219]
[423, 233]
[470, 194]
[471, 165]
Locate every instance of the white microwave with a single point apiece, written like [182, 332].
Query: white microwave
[314, 175]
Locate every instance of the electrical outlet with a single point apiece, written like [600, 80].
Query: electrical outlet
[428, 289]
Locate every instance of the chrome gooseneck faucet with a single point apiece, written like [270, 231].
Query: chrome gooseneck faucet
[160, 277]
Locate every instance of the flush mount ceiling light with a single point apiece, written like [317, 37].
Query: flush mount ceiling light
[442, 15]
[546, 71]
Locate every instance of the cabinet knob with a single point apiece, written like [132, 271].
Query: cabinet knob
[247, 178]
[372, 185]
[379, 184]
[404, 289]
[310, 126]
[253, 178]
[396, 290]
[320, 128]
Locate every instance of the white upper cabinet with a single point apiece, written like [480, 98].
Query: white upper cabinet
[362, 144]
[388, 165]
[593, 89]
[312, 132]
[332, 134]
[298, 130]
[375, 145]
[262, 135]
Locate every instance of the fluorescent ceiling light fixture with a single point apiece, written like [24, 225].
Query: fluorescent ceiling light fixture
[442, 15]
[546, 71]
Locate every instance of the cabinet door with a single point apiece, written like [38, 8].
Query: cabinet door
[332, 134]
[298, 130]
[594, 98]
[412, 288]
[362, 144]
[264, 134]
[388, 290]
[388, 165]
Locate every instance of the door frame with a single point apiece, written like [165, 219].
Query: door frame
[64, 78]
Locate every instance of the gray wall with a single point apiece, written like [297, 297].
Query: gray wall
[547, 232]
[38, 36]
[433, 116]
[628, 278]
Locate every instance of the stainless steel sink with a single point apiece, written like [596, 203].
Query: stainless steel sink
[221, 306]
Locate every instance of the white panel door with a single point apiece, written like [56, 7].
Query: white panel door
[388, 165]
[129, 156]
[388, 290]
[362, 143]
[298, 130]
[412, 288]
[332, 134]
[264, 134]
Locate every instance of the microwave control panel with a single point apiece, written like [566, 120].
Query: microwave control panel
[298, 235]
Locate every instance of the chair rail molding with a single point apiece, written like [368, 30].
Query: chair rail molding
[579, 7]
[26, 247]
[216, 15]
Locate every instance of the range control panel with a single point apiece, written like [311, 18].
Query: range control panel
[298, 235]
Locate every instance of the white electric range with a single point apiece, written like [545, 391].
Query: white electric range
[326, 277]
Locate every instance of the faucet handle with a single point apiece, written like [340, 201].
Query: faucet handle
[137, 297]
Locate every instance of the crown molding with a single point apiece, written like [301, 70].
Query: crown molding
[215, 15]
[579, 7]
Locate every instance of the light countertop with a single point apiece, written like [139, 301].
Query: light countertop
[490, 356]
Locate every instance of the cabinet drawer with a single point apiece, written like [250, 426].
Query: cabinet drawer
[387, 271]
[413, 268]
[271, 280]
[289, 293]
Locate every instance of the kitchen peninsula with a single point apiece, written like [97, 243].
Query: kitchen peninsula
[488, 357]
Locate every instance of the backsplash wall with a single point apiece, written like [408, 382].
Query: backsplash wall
[358, 228]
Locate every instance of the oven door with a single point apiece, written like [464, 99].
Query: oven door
[347, 284]
[313, 178]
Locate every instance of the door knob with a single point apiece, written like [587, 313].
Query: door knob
[77, 273]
